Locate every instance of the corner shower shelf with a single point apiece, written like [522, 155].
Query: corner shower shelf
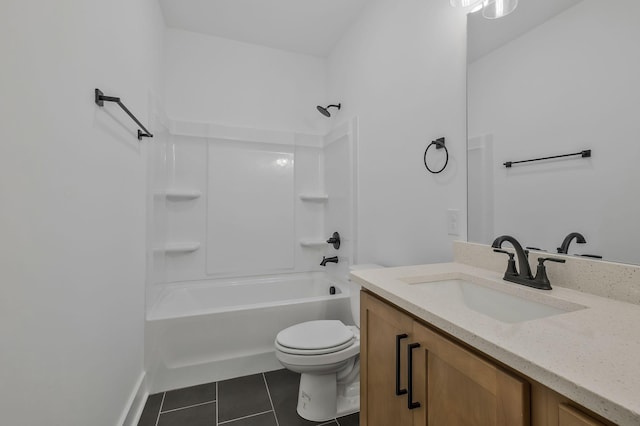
[314, 198]
[175, 248]
[313, 243]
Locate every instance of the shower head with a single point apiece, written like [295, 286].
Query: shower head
[325, 110]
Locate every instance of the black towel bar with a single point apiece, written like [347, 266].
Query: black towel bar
[100, 99]
[584, 154]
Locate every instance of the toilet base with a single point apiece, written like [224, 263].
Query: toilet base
[320, 398]
[349, 403]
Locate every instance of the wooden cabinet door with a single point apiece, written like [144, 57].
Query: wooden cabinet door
[380, 323]
[549, 408]
[455, 387]
[569, 416]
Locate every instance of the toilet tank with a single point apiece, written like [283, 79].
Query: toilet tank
[354, 291]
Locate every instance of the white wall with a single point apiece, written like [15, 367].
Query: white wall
[194, 163]
[339, 185]
[401, 69]
[568, 85]
[72, 184]
[215, 80]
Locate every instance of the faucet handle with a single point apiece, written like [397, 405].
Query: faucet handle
[541, 260]
[541, 274]
[511, 264]
[592, 256]
[335, 240]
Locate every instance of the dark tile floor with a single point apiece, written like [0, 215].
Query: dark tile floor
[267, 399]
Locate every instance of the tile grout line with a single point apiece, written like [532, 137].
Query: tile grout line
[160, 410]
[188, 406]
[266, 385]
[247, 417]
[217, 402]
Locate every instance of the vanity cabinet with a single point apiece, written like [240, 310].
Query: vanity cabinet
[569, 416]
[381, 330]
[413, 375]
[549, 408]
[457, 388]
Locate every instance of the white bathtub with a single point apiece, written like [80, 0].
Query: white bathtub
[205, 331]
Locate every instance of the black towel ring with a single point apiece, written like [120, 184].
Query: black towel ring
[439, 143]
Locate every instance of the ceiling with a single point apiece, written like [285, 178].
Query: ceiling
[486, 35]
[302, 26]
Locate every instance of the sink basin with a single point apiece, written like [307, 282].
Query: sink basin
[504, 307]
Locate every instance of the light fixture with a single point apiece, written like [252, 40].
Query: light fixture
[491, 9]
[476, 8]
[465, 3]
[494, 9]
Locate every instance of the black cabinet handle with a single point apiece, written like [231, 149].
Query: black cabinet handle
[398, 390]
[410, 348]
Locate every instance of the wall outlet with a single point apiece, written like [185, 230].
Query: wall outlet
[453, 222]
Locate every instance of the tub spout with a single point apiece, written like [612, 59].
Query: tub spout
[326, 260]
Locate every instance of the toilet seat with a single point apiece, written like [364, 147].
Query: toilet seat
[315, 338]
[331, 357]
[322, 351]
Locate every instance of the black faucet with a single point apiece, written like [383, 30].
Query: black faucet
[523, 257]
[564, 248]
[326, 260]
[524, 277]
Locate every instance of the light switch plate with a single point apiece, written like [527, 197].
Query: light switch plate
[453, 222]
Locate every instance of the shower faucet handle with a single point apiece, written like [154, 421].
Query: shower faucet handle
[335, 240]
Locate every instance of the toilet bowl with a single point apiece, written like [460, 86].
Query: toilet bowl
[326, 353]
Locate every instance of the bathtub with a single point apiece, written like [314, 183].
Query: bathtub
[204, 331]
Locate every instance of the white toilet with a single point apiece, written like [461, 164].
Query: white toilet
[327, 354]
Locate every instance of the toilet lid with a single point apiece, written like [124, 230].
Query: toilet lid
[320, 335]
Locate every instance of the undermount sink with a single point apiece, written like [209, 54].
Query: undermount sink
[504, 307]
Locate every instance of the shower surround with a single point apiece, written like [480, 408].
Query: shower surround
[240, 222]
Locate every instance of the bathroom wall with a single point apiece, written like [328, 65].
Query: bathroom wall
[569, 84]
[216, 80]
[252, 215]
[72, 181]
[240, 97]
[401, 69]
[340, 174]
[159, 154]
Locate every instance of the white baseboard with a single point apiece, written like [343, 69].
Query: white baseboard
[135, 404]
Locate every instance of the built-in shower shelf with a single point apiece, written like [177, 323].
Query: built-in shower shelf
[182, 194]
[175, 248]
[313, 243]
[314, 198]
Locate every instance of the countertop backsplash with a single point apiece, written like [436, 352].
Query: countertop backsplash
[616, 281]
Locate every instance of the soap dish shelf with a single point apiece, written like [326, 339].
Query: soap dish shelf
[309, 243]
[182, 194]
[178, 248]
[314, 198]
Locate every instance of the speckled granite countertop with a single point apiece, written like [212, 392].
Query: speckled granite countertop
[590, 354]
